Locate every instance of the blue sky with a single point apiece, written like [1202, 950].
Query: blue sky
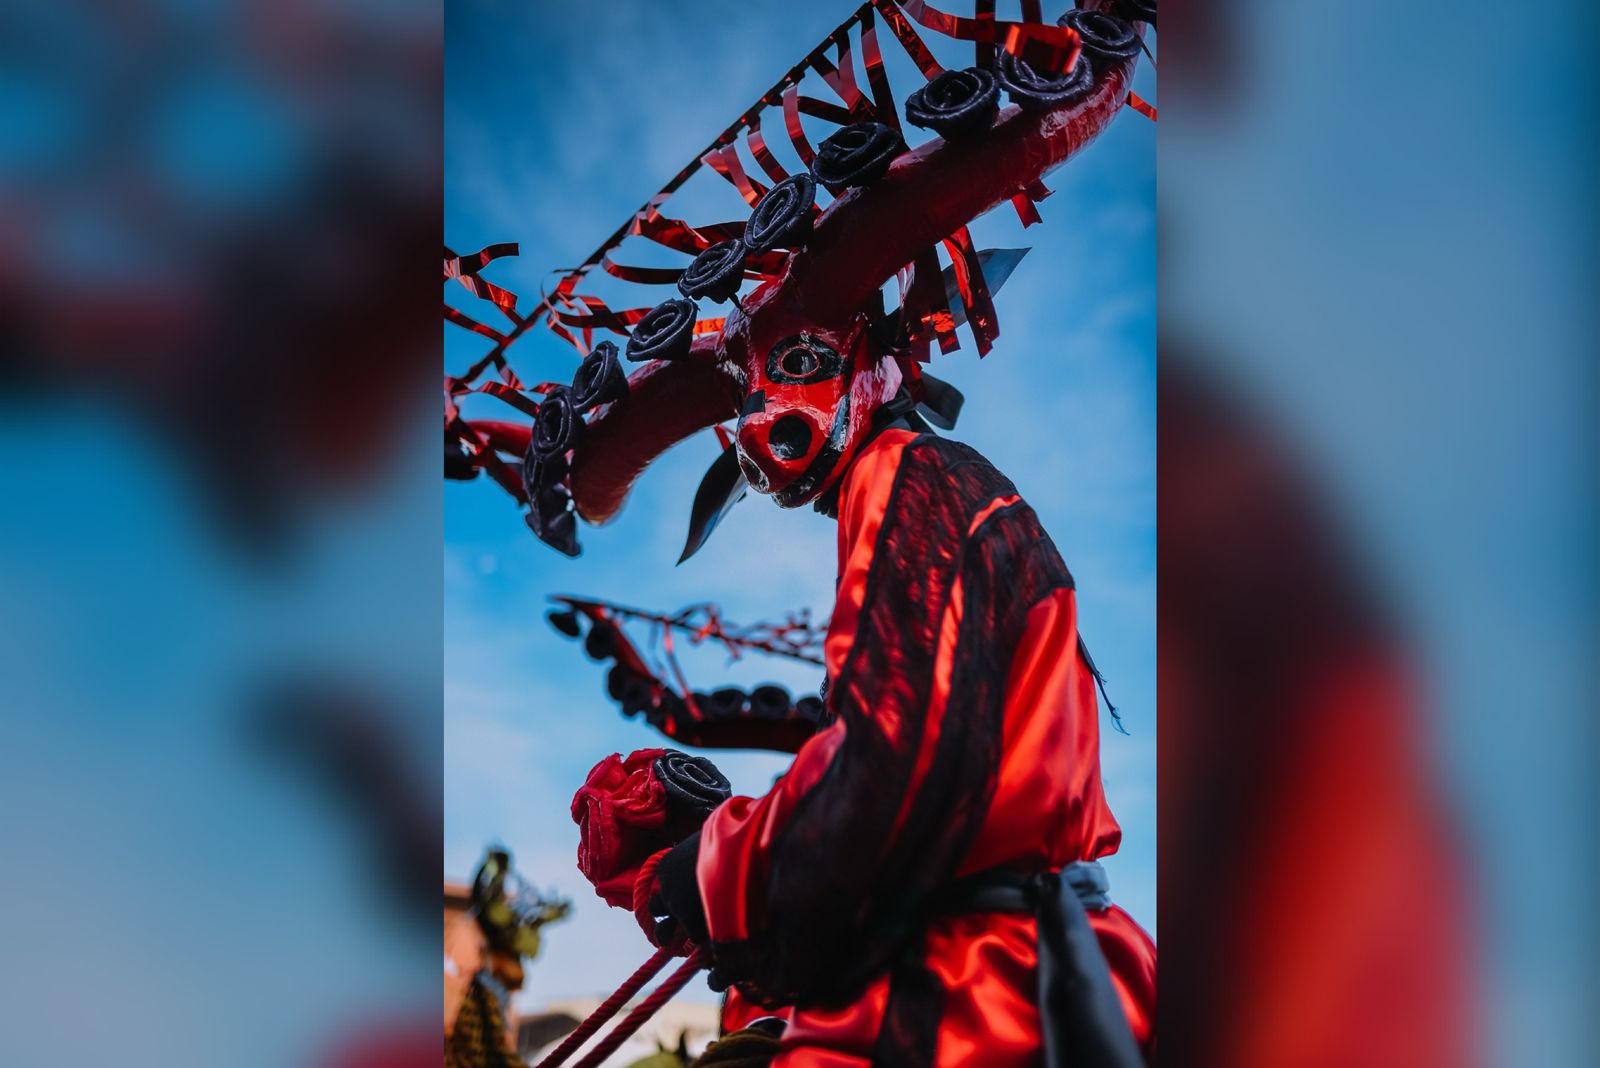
[556, 128]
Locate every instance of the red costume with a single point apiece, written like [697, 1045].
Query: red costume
[896, 894]
[966, 738]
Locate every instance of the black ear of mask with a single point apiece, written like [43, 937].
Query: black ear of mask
[722, 487]
[941, 404]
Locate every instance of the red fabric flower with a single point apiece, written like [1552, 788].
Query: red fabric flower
[623, 815]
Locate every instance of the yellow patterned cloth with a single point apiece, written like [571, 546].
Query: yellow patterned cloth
[479, 1037]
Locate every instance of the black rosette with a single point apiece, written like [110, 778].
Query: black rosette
[668, 705]
[1107, 40]
[716, 273]
[631, 690]
[692, 783]
[810, 709]
[536, 475]
[565, 620]
[1137, 10]
[1034, 91]
[769, 702]
[783, 217]
[726, 703]
[553, 523]
[556, 428]
[599, 378]
[956, 103]
[665, 332]
[550, 514]
[601, 641]
[857, 155]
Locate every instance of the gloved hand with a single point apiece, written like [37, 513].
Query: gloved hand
[668, 906]
[651, 911]
[629, 809]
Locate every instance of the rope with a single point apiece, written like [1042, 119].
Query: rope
[607, 1009]
[646, 1009]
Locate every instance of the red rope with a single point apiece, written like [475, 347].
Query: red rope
[646, 1009]
[607, 1009]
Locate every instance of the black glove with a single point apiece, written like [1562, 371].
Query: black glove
[678, 906]
[677, 903]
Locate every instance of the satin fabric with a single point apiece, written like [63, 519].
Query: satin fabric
[1047, 809]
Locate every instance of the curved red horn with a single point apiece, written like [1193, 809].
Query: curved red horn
[667, 401]
[868, 234]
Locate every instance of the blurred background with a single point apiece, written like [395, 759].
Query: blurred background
[1377, 537]
[219, 746]
[223, 608]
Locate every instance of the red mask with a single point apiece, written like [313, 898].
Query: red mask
[808, 394]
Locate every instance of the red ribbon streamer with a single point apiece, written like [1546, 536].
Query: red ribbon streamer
[489, 461]
[1027, 212]
[883, 104]
[842, 79]
[1027, 202]
[464, 269]
[679, 235]
[903, 32]
[725, 161]
[974, 290]
[510, 395]
[756, 141]
[648, 276]
[457, 266]
[821, 109]
[1046, 48]
[983, 51]
[791, 121]
[469, 323]
[926, 310]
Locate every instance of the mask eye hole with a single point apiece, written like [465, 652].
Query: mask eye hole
[802, 360]
[798, 362]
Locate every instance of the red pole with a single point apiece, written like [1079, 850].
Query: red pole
[607, 1009]
[646, 1009]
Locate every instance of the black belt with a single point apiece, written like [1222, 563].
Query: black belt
[1080, 1016]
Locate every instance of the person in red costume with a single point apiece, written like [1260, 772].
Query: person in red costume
[965, 740]
[922, 886]
[866, 896]
[919, 888]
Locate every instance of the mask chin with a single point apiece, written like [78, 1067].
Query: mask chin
[789, 458]
[824, 467]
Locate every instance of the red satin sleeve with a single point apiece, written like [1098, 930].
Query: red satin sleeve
[735, 841]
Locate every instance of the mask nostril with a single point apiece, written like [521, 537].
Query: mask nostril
[789, 438]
